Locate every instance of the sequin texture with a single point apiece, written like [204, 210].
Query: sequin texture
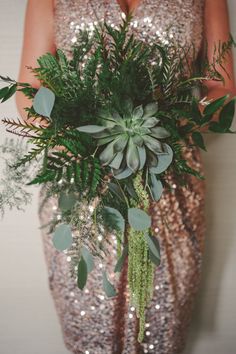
[90, 322]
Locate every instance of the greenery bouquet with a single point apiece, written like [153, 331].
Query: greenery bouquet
[121, 112]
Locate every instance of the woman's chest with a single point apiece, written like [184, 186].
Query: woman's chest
[153, 20]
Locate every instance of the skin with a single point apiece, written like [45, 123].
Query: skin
[38, 39]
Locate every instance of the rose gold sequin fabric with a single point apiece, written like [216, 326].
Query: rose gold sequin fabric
[91, 323]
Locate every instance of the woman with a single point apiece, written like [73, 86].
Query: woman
[90, 323]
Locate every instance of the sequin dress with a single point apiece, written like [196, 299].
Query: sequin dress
[91, 323]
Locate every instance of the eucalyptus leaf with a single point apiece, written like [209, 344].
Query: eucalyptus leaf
[121, 260]
[107, 286]
[82, 273]
[44, 101]
[88, 258]
[67, 200]
[62, 237]
[116, 217]
[138, 219]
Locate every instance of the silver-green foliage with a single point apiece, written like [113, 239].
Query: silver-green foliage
[13, 192]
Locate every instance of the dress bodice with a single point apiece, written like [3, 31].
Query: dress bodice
[163, 20]
[91, 323]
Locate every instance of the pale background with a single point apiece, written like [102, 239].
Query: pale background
[28, 321]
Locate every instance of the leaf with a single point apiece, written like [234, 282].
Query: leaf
[153, 144]
[88, 259]
[154, 248]
[44, 101]
[150, 122]
[116, 161]
[153, 259]
[128, 106]
[212, 107]
[47, 176]
[156, 187]
[196, 113]
[117, 217]
[82, 273]
[121, 143]
[62, 237]
[138, 140]
[164, 161]
[123, 174]
[137, 112]
[107, 154]
[3, 92]
[227, 115]
[91, 128]
[132, 156]
[130, 188]
[11, 92]
[198, 140]
[107, 286]
[67, 200]
[138, 219]
[121, 260]
[150, 109]
[114, 188]
[159, 133]
[142, 156]
[215, 127]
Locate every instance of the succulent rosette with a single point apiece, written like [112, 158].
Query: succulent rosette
[132, 140]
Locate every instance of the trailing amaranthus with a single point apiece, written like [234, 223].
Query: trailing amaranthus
[140, 267]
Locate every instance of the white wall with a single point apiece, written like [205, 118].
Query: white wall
[28, 321]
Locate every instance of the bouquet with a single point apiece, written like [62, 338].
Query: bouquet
[121, 112]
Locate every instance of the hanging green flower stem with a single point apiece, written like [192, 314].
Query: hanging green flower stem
[140, 267]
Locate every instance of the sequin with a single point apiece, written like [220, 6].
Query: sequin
[178, 218]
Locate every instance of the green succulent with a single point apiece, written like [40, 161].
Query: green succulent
[132, 140]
